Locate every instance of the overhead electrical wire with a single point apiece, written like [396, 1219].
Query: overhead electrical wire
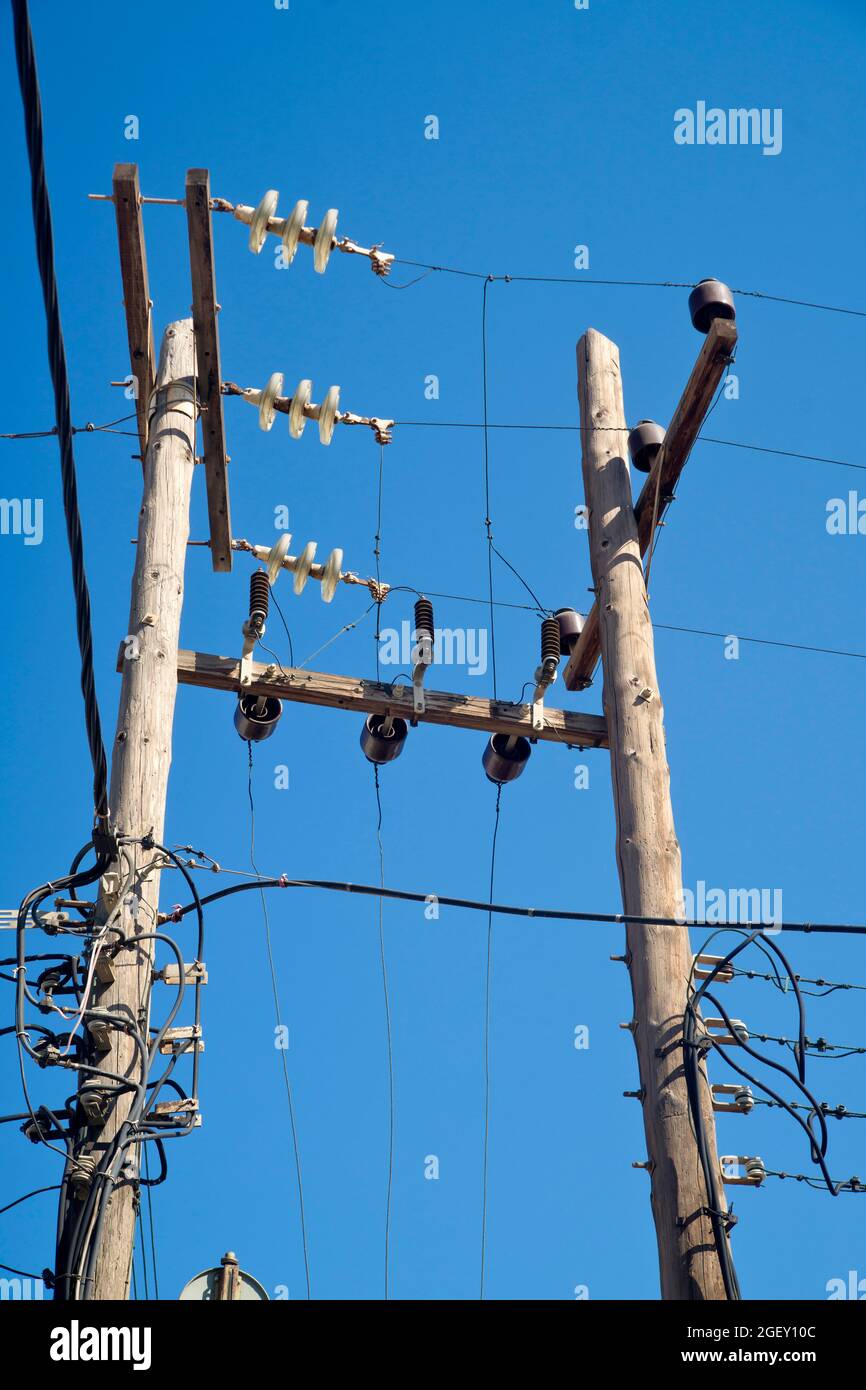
[29, 83]
[383, 960]
[488, 994]
[540, 913]
[282, 1049]
[633, 284]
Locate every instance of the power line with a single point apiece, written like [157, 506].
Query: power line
[576, 429]
[29, 84]
[488, 980]
[508, 910]
[89, 428]
[633, 284]
[277, 1013]
[388, 1033]
[383, 963]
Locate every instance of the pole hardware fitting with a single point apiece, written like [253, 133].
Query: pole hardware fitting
[99, 1026]
[300, 408]
[94, 1101]
[176, 1041]
[423, 651]
[705, 965]
[194, 973]
[753, 1170]
[729, 1037]
[741, 1102]
[630, 1026]
[81, 1171]
[545, 675]
[42, 1126]
[292, 231]
[623, 960]
[636, 1095]
[726, 1217]
[648, 1164]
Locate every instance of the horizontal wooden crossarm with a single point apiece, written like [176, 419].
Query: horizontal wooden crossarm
[713, 359]
[375, 697]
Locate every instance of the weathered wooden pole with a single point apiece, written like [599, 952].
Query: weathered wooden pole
[648, 853]
[139, 774]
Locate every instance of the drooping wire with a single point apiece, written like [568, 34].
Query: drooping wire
[510, 910]
[632, 284]
[488, 997]
[575, 429]
[142, 1249]
[29, 83]
[278, 1016]
[148, 1187]
[388, 1034]
[383, 963]
[89, 428]
[487, 521]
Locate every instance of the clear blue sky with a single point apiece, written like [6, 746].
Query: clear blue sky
[556, 129]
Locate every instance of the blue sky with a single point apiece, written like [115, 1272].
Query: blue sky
[555, 129]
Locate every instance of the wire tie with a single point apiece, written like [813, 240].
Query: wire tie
[283, 881]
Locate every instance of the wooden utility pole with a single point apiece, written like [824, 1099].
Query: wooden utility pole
[648, 853]
[141, 758]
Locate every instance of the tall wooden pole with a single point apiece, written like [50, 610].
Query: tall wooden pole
[648, 853]
[141, 759]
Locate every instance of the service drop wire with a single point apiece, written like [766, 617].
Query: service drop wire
[817, 1151]
[509, 910]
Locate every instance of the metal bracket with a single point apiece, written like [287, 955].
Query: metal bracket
[544, 678]
[180, 1040]
[424, 651]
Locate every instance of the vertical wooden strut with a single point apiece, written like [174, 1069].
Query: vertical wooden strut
[648, 853]
[139, 770]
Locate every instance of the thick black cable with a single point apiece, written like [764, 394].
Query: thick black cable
[29, 83]
[540, 913]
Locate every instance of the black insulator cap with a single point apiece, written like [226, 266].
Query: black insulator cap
[644, 442]
[424, 616]
[253, 727]
[260, 591]
[550, 647]
[570, 627]
[709, 300]
[504, 764]
[380, 747]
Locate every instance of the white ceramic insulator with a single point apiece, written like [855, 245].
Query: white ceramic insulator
[292, 228]
[304, 565]
[328, 414]
[331, 575]
[300, 400]
[267, 413]
[266, 209]
[276, 555]
[324, 242]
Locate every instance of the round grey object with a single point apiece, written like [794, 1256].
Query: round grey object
[204, 1288]
[252, 727]
[644, 442]
[379, 747]
[709, 300]
[570, 628]
[504, 764]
